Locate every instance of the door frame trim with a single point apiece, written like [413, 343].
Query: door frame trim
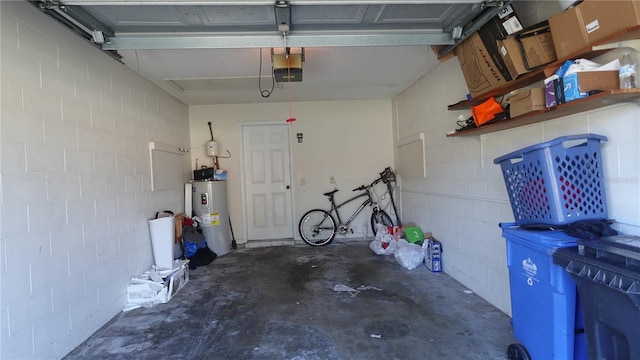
[243, 191]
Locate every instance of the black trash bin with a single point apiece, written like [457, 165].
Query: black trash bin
[607, 274]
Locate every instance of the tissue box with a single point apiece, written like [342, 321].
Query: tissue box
[220, 175]
[550, 96]
[433, 255]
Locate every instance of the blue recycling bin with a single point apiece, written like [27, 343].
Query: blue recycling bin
[546, 311]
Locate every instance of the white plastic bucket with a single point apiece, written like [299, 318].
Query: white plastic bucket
[162, 230]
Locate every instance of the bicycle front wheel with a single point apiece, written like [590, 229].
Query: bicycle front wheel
[317, 227]
[380, 217]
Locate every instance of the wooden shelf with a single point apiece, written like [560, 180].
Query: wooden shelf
[592, 102]
[541, 73]
[596, 101]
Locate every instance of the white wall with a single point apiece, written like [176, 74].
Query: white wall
[463, 197]
[350, 140]
[75, 126]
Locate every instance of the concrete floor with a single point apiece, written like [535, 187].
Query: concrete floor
[282, 303]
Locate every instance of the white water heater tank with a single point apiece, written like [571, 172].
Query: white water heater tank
[210, 204]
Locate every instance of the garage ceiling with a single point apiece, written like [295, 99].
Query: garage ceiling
[219, 52]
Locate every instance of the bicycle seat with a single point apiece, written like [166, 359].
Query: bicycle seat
[330, 193]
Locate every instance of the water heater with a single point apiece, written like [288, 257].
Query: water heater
[209, 203]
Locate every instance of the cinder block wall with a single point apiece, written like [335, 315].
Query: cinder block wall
[75, 127]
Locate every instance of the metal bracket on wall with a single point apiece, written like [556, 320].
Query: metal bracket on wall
[489, 10]
[78, 20]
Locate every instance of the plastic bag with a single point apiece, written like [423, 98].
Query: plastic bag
[381, 230]
[193, 240]
[409, 255]
[384, 243]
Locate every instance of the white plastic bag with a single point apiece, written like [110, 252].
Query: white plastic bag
[384, 243]
[381, 230]
[409, 255]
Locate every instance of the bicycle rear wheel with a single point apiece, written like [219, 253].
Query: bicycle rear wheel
[317, 227]
[380, 217]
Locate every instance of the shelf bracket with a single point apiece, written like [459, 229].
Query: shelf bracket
[634, 44]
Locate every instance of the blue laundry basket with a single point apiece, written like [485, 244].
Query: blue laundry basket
[555, 184]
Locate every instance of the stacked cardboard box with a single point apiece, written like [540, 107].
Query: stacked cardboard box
[482, 66]
[575, 29]
[528, 49]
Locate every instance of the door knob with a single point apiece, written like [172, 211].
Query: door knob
[288, 187]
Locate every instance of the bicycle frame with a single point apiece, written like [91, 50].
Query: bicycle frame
[334, 207]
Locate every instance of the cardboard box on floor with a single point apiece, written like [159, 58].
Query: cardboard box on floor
[591, 21]
[433, 255]
[148, 290]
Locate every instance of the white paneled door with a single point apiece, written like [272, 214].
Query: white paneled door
[267, 181]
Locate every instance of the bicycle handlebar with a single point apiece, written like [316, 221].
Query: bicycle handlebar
[365, 187]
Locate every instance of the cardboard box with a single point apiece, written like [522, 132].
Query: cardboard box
[436, 50]
[478, 67]
[511, 53]
[482, 65]
[178, 279]
[433, 255]
[148, 290]
[603, 18]
[537, 46]
[505, 23]
[525, 101]
[591, 21]
[578, 85]
[499, 27]
[568, 32]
